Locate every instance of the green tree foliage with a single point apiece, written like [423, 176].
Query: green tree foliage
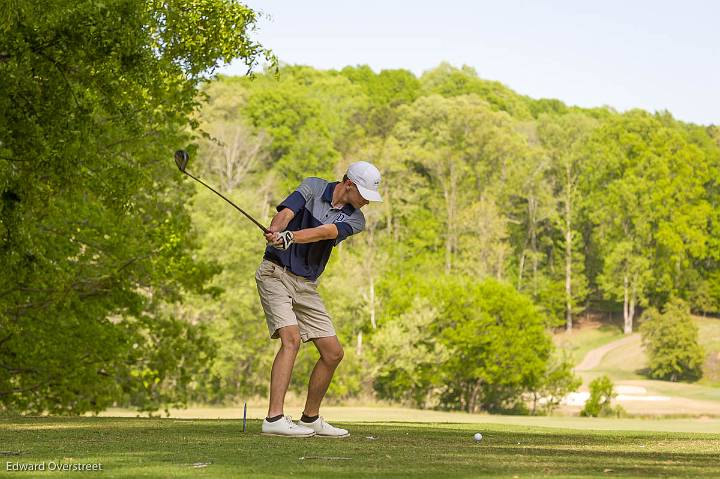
[533, 211]
[234, 322]
[499, 343]
[406, 354]
[447, 80]
[386, 91]
[547, 106]
[670, 340]
[535, 194]
[483, 188]
[95, 240]
[564, 139]
[309, 117]
[454, 146]
[649, 205]
[480, 346]
[599, 404]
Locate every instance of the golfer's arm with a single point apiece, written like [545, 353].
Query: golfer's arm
[281, 220]
[311, 235]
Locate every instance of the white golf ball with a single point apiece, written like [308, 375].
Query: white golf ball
[478, 436]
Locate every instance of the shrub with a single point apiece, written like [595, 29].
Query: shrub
[602, 392]
[671, 343]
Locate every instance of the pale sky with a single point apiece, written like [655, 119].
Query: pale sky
[655, 55]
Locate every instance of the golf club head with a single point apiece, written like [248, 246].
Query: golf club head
[181, 159]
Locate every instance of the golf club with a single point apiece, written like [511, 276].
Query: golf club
[181, 160]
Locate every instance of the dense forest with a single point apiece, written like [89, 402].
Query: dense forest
[504, 217]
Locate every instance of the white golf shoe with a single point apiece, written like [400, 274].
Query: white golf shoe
[285, 427]
[323, 429]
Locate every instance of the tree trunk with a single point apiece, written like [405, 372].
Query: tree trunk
[449, 234]
[450, 193]
[372, 302]
[568, 268]
[628, 306]
[266, 205]
[501, 261]
[534, 403]
[453, 206]
[631, 311]
[358, 348]
[387, 199]
[473, 402]
[529, 239]
[448, 221]
[369, 271]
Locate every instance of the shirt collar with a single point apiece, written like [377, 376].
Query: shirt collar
[348, 209]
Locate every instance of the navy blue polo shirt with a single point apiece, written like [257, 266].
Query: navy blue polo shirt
[312, 205]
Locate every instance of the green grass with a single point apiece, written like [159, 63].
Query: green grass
[679, 390]
[580, 341]
[629, 361]
[709, 333]
[625, 362]
[684, 390]
[397, 414]
[627, 365]
[709, 329]
[169, 447]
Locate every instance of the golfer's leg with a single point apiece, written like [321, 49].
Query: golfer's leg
[282, 368]
[331, 353]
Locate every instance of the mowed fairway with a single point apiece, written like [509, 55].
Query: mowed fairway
[135, 447]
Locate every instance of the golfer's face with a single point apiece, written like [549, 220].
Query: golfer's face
[356, 198]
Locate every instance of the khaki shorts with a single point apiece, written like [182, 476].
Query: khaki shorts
[289, 300]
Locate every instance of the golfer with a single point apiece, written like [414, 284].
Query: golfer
[309, 223]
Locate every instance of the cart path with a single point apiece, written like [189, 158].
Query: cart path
[594, 356]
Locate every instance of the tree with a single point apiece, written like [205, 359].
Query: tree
[671, 342]
[568, 202]
[96, 240]
[451, 145]
[564, 139]
[495, 347]
[497, 344]
[649, 207]
[232, 318]
[310, 117]
[406, 357]
[233, 150]
[533, 209]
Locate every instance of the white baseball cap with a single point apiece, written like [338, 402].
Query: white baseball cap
[367, 179]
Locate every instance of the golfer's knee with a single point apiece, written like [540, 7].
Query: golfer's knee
[291, 345]
[290, 342]
[333, 356]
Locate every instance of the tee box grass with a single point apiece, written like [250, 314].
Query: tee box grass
[173, 448]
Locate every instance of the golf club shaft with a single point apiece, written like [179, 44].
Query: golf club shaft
[264, 230]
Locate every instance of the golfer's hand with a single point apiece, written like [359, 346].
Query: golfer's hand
[283, 240]
[270, 237]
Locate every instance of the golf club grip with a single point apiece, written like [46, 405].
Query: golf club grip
[264, 230]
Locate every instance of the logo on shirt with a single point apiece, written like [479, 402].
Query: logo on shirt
[339, 218]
